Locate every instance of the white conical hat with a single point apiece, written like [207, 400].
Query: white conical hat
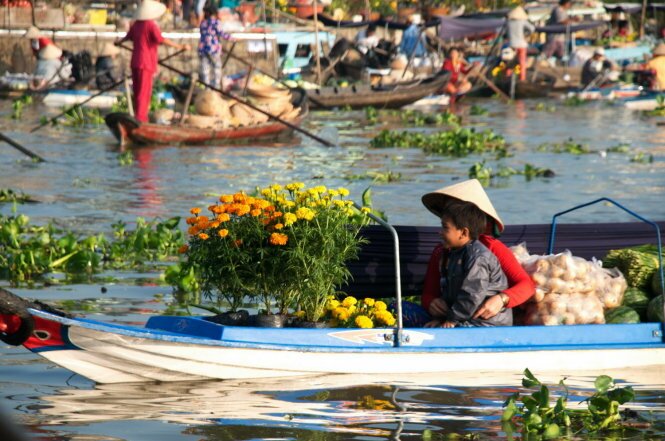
[50, 52]
[109, 49]
[32, 32]
[468, 191]
[150, 10]
[518, 14]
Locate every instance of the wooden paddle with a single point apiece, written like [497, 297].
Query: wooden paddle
[20, 148]
[244, 102]
[111, 87]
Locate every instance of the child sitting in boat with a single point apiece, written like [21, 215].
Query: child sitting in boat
[469, 272]
[520, 286]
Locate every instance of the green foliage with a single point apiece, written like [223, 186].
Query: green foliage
[660, 107]
[485, 174]
[371, 115]
[542, 107]
[148, 242]
[535, 417]
[377, 177]
[120, 105]
[126, 158]
[458, 142]
[18, 105]
[81, 116]
[477, 110]
[568, 146]
[574, 101]
[642, 158]
[9, 195]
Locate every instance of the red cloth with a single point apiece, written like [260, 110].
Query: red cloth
[9, 323]
[455, 71]
[521, 58]
[146, 36]
[142, 87]
[42, 42]
[520, 286]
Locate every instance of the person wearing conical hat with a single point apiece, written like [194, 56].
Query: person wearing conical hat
[37, 40]
[50, 69]
[105, 70]
[657, 65]
[471, 197]
[518, 28]
[146, 36]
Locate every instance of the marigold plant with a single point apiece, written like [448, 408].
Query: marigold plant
[354, 313]
[286, 246]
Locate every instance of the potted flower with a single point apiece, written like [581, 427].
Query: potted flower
[285, 247]
[354, 313]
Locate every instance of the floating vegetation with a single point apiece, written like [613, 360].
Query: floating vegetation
[18, 104]
[533, 415]
[29, 252]
[7, 195]
[660, 107]
[371, 115]
[377, 177]
[477, 110]
[542, 107]
[619, 148]
[81, 116]
[126, 158]
[574, 101]
[642, 158]
[568, 146]
[485, 174]
[413, 117]
[457, 142]
[120, 105]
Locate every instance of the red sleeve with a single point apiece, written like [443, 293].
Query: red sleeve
[155, 33]
[447, 65]
[520, 286]
[432, 285]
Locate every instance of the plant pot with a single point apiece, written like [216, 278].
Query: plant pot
[247, 12]
[311, 325]
[268, 320]
[306, 11]
[231, 318]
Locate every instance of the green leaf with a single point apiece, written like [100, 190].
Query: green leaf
[172, 223]
[552, 431]
[427, 435]
[603, 383]
[622, 395]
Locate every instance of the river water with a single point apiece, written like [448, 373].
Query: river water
[86, 185]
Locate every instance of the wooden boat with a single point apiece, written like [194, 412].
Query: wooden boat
[380, 96]
[647, 101]
[191, 348]
[540, 88]
[128, 131]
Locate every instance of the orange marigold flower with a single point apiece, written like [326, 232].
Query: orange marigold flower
[242, 210]
[183, 249]
[202, 219]
[226, 198]
[270, 208]
[237, 243]
[239, 197]
[277, 214]
[211, 208]
[262, 204]
[278, 226]
[193, 230]
[256, 212]
[224, 217]
[195, 211]
[278, 239]
[191, 220]
[223, 232]
[214, 224]
[203, 236]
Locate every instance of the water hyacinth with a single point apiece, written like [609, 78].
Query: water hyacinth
[285, 246]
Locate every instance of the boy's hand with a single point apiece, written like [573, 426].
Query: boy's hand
[490, 307]
[433, 324]
[448, 324]
[438, 308]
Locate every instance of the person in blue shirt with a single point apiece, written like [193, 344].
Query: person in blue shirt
[413, 39]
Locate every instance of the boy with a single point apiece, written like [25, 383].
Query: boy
[470, 272]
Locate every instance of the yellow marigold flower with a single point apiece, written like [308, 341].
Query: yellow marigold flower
[193, 230]
[385, 317]
[362, 321]
[191, 220]
[332, 193]
[256, 212]
[343, 191]
[365, 210]
[349, 301]
[262, 204]
[203, 236]
[289, 204]
[289, 219]
[278, 239]
[380, 306]
[195, 211]
[224, 217]
[295, 186]
[339, 203]
[242, 210]
[352, 309]
[214, 224]
[266, 192]
[223, 232]
[304, 213]
[226, 198]
[183, 249]
[321, 188]
[369, 301]
[278, 226]
[341, 313]
[332, 304]
[300, 314]
[276, 187]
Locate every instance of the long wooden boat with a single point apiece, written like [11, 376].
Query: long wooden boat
[381, 96]
[190, 348]
[129, 131]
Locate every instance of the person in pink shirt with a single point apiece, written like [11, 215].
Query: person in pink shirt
[146, 36]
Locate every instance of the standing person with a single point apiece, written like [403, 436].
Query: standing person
[105, 69]
[518, 27]
[413, 39]
[556, 43]
[657, 64]
[37, 41]
[210, 47]
[146, 36]
[434, 307]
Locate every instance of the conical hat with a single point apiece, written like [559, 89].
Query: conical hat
[109, 50]
[468, 191]
[518, 14]
[659, 50]
[32, 32]
[50, 52]
[149, 10]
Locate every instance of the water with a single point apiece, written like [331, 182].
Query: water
[84, 186]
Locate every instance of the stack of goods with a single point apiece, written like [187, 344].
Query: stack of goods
[569, 290]
[644, 298]
[271, 97]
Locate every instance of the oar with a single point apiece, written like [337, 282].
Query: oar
[20, 148]
[246, 103]
[111, 87]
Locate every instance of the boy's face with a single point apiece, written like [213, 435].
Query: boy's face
[452, 236]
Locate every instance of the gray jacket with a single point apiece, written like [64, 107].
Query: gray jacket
[472, 274]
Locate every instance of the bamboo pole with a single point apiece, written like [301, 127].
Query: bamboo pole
[316, 43]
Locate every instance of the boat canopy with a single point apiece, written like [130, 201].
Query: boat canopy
[630, 8]
[562, 29]
[329, 21]
[457, 28]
